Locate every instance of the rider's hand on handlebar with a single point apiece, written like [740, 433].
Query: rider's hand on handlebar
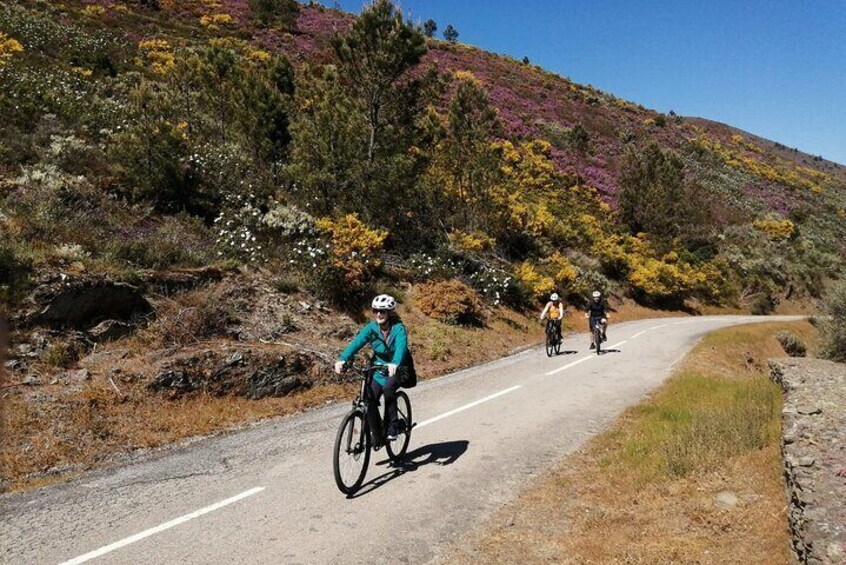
[340, 366]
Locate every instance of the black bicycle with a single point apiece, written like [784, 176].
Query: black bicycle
[363, 430]
[553, 344]
[596, 330]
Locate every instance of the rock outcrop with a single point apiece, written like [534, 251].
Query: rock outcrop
[244, 372]
[81, 302]
[814, 455]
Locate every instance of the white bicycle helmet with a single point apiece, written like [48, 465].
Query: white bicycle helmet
[596, 294]
[554, 296]
[384, 302]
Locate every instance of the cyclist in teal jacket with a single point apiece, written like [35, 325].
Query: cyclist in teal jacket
[388, 339]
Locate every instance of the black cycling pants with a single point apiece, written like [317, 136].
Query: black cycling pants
[557, 324]
[390, 392]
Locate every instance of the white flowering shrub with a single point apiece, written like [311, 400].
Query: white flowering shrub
[236, 229]
[496, 286]
[70, 252]
[289, 222]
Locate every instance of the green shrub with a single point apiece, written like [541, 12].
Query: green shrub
[286, 283]
[14, 275]
[275, 11]
[834, 327]
[174, 241]
[64, 354]
[763, 304]
[791, 344]
[451, 302]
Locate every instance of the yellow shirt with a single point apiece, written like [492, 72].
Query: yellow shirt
[552, 311]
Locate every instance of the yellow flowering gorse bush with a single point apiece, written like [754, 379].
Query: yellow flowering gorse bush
[475, 242]
[777, 230]
[538, 284]
[94, 10]
[8, 47]
[215, 21]
[782, 172]
[355, 248]
[158, 55]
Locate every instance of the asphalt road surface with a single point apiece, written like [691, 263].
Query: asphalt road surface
[267, 495]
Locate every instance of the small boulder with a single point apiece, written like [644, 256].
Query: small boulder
[109, 330]
[726, 499]
[79, 376]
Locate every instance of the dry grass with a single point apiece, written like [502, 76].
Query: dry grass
[644, 492]
[56, 431]
[71, 432]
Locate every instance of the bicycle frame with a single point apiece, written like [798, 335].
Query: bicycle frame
[369, 405]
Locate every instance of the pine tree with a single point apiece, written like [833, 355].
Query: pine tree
[379, 49]
[451, 34]
[429, 28]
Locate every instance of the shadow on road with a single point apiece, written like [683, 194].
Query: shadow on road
[567, 352]
[445, 453]
[604, 351]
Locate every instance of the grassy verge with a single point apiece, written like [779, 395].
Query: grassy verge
[691, 475]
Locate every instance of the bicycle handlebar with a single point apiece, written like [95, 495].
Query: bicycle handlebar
[364, 371]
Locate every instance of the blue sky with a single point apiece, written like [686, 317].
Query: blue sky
[774, 68]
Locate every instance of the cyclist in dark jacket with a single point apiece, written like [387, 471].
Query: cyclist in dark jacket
[388, 339]
[597, 310]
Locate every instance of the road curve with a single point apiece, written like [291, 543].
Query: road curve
[266, 494]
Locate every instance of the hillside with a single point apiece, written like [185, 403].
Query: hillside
[179, 179]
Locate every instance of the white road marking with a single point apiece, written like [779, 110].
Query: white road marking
[638, 334]
[167, 525]
[467, 406]
[573, 364]
[658, 327]
[616, 344]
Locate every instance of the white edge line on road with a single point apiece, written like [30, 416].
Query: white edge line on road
[638, 334]
[658, 327]
[152, 531]
[573, 364]
[467, 406]
[617, 344]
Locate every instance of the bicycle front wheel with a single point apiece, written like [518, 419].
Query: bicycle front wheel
[550, 343]
[397, 448]
[597, 339]
[352, 452]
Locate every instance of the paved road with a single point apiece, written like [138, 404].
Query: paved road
[266, 495]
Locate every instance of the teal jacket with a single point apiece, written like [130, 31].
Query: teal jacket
[394, 350]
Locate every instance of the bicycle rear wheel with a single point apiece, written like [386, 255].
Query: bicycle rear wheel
[352, 452]
[397, 448]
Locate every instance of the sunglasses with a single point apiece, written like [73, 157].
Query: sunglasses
[380, 312]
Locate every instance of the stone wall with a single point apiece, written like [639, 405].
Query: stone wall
[814, 455]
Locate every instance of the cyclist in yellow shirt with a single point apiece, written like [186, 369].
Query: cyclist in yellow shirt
[553, 313]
